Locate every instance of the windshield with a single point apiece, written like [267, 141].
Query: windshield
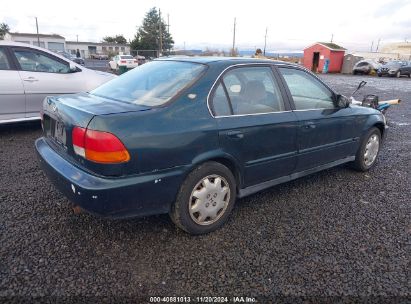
[151, 84]
[126, 57]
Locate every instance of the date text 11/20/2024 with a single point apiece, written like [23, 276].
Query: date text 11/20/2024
[235, 299]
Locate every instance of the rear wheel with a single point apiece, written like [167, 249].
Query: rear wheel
[205, 199]
[368, 151]
[379, 75]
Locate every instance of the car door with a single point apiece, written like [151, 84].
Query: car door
[255, 123]
[327, 133]
[12, 99]
[43, 75]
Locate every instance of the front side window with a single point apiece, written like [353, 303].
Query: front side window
[151, 84]
[4, 63]
[36, 62]
[249, 90]
[308, 92]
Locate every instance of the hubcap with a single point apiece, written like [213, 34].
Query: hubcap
[371, 150]
[209, 199]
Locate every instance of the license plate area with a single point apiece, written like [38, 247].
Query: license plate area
[56, 130]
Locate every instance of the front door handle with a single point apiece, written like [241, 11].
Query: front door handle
[309, 125]
[235, 134]
[30, 79]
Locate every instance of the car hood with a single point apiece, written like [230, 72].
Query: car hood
[104, 74]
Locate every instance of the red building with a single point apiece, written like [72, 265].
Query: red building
[316, 55]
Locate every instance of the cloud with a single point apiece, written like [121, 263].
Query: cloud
[390, 8]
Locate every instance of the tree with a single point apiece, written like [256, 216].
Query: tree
[148, 34]
[4, 28]
[118, 39]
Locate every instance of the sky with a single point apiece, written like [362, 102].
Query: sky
[291, 25]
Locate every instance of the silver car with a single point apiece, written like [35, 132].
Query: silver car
[29, 73]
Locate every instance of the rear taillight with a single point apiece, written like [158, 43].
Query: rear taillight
[78, 137]
[123, 61]
[135, 61]
[99, 146]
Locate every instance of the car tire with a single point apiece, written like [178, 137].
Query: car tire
[354, 72]
[379, 75]
[398, 74]
[215, 187]
[368, 151]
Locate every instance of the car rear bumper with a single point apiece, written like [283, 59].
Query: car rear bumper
[129, 66]
[121, 197]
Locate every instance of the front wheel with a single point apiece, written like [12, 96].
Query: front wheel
[398, 74]
[368, 151]
[205, 199]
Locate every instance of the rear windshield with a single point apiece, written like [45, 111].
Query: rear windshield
[126, 57]
[151, 84]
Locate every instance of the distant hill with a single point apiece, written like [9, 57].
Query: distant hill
[272, 54]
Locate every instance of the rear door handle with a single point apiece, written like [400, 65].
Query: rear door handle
[30, 79]
[309, 125]
[235, 134]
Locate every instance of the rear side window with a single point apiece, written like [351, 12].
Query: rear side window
[307, 91]
[37, 62]
[4, 63]
[247, 90]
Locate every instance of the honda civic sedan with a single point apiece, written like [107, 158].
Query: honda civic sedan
[189, 136]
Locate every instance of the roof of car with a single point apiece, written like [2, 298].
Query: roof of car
[228, 60]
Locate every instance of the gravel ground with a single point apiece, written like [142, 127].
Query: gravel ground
[336, 235]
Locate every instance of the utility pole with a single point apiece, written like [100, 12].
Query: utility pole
[168, 32]
[265, 40]
[378, 44]
[38, 36]
[232, 51]
[332, 37]
[168, 24]
[77, 38]
[161, 34]
[372, 44]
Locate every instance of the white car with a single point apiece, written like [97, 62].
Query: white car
[29, 73]
[123, 60]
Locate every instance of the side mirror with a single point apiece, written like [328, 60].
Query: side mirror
[73, 67]
[342, 101]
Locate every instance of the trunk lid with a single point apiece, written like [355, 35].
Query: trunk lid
[62, 113]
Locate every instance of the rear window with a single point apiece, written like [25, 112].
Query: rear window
[151, 84]
[127, 57]
[393, 64]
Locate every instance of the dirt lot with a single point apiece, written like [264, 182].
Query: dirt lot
[338, 233]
